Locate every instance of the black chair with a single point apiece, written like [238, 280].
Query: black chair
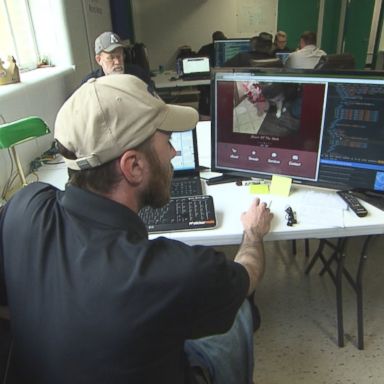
[6, 348]
[336, 61]
[266, 63]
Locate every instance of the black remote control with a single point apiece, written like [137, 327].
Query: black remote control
[353, 203]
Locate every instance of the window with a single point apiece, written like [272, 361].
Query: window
[18, 34]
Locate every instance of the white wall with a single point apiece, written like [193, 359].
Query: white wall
[165, 25]
[39, 95]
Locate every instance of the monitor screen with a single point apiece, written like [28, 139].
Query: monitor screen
[185, 144]
[195, 65]
[283, 56]
[226, 49]
[352, 154]
[267, 124]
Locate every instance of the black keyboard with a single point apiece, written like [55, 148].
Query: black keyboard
[189, 186]
[180, 214]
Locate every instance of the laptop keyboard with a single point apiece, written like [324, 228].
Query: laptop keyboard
[190, 186]
[180, 214]
[196, 77]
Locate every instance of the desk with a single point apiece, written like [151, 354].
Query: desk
[231, 200]
[163, 80]
[185, 92]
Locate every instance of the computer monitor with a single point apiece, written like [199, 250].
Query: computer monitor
[352, 154]
[228, 48]
[349, 111]
[267, 124]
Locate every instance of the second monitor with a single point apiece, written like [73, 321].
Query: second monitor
[228, 48]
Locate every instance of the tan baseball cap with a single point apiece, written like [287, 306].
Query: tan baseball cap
[107, 42]
[111, 114]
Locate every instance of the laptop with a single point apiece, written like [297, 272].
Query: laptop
[283, 56]
[186, 177]
[195, 68]
[188, 209]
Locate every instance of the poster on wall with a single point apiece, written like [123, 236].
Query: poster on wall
[255, 16]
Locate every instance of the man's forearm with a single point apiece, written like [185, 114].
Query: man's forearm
[251, 256]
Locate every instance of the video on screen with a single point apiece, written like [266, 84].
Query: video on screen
[269, 127]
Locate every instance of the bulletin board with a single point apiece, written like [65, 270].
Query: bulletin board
[254, 16]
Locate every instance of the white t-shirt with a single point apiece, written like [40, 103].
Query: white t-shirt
[305, 58]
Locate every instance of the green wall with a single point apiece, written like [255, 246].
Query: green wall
[357, 29]
[331, 25]
[295, 17]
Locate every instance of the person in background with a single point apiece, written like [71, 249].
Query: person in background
[308, 55]
[259, 49]
[93, 299]
[110, 55]
[208, 49]
[280, 43]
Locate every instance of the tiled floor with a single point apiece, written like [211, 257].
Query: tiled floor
[297, 339]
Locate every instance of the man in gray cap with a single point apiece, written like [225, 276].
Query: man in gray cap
[110, 55]
[92, 299]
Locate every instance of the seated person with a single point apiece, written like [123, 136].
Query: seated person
[280, 43]
[260, 49]
[308, 55]
[208, 49]
[110, 56]
[95, 300]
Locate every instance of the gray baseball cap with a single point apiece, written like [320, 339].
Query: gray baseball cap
[107, 42]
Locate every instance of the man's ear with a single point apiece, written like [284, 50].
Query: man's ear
[98, 59]
[132, 166]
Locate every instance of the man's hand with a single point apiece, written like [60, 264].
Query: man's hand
[257, 220]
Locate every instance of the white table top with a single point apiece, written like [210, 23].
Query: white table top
[163, 80]
[320, 212]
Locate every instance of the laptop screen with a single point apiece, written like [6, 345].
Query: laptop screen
[193, 65]
[283, 56]
[185, 144]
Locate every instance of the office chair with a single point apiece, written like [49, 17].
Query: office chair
[266, 63]
[336, 61]
[20, 131]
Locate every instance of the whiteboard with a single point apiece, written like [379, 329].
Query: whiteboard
[255, 16]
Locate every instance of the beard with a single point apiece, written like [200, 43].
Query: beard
[118, 70]
[158, 191]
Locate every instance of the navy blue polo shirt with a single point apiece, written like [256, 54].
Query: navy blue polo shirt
[92, 300]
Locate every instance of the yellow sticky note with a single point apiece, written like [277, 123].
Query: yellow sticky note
[259, 189]
[280, 185]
